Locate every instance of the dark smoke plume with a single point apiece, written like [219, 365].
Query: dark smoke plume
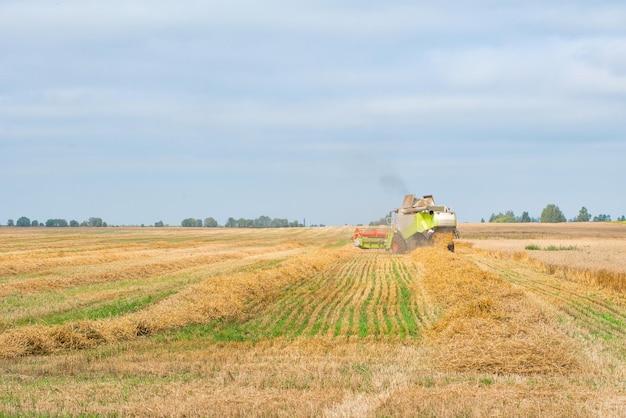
[394, 184]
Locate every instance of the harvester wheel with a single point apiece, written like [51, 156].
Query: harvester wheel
[398, 245]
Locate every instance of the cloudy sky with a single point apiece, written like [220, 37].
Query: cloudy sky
[137, 111]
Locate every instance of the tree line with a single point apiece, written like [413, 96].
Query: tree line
[210, 222]
[56, 223]
[551, 214]
[260, 222]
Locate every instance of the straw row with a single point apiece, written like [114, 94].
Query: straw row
[488, 325]
[214, 298]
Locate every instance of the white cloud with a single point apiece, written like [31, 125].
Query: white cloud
[580, 16]
[562, 66]
[72, 112]
[112, 18]
[109, 17]
[596, 65]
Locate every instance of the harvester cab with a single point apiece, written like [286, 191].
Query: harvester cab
[414, 224]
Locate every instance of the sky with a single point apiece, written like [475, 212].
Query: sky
[141, 111]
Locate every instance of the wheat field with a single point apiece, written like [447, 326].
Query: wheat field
[299, 322]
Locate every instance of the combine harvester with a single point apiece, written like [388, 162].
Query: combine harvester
[413, 225]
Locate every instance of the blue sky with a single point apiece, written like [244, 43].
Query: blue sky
[140, 111]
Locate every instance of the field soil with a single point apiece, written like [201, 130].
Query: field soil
[522, 320]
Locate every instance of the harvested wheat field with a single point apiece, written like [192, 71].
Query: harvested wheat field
[299, 322]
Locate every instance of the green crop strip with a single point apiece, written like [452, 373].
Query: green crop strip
[337, 330]
[116, 308]
[338, 243]
[351, 321]
[364, 313]
[534, 247]
[377, 302]
[370, 297]
[386, 317]
[405, 303]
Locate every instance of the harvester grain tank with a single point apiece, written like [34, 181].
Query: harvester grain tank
[413, 225]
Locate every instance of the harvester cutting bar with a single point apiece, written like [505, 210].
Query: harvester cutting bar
[373, 237]
[380, 232]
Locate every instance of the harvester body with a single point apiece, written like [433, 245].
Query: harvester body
[411, 226]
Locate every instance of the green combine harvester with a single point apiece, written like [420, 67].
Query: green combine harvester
[410, 226]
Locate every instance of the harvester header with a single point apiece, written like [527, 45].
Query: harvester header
[373, 237]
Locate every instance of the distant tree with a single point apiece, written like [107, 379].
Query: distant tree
[191, 222]
[381, 221]
[159, 224]
[507, 217]
[23, 221]
[262, 222]
[622, 218]
[74, 223]
[210, 222]
[35, 222]
[525, 217]
[583, 215]
[10, 222]
[279, 223]
[552, 214]
[96, 222]
[56, 223]
[602, 218]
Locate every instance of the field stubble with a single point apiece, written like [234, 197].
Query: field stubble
[300, 326]
[595, 246]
